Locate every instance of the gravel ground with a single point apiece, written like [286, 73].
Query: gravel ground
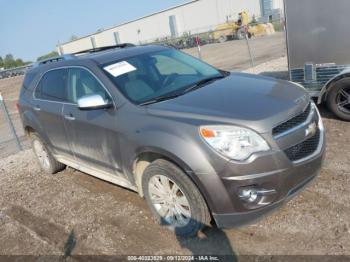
[74, 213]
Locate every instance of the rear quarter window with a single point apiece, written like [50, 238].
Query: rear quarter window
[28, 79]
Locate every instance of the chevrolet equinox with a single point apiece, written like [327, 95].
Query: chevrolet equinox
[200, 144]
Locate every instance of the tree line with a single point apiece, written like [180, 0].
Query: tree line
[10, 62]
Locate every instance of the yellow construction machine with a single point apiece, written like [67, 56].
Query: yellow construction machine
[239, 29]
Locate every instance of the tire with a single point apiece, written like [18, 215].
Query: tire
[240, 35]
[45, 159]
[337, 97]
[162, 172]
[222, 39]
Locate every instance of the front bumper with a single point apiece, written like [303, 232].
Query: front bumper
[286, 180]
[242, 218]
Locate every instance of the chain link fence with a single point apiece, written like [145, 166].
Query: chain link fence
[231, 47]
[12, 137]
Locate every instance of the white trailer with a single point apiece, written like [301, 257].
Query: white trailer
[318, 41]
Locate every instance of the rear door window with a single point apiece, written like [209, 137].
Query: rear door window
[52, 86]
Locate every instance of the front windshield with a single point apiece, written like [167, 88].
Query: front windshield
[150, 76]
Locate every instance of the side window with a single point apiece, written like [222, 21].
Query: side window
[28, 79]
[52, 86]
[82, 83]
[167, 66]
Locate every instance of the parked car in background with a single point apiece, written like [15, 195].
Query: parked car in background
[12, 72]
[198, 143]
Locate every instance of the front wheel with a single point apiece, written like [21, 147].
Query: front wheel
[173, 198]
[222, 39]
[338, 100]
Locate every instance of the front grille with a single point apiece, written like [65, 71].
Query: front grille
[295, 121]
[304, 149]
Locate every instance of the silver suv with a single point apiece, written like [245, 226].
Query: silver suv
[201, 145]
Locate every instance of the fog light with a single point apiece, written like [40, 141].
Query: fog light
[252, 195]
[249, 195]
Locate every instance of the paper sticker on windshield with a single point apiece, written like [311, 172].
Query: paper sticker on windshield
[119, 68]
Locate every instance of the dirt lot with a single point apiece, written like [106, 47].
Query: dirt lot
[74, 213]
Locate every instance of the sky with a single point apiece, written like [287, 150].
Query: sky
[31, 28]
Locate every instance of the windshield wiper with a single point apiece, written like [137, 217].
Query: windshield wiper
[202, 83]
[188, 89]
[161, 98]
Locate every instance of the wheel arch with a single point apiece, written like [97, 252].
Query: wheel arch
[28, 130]
[31, 124]
[147, 155]
[328, 86]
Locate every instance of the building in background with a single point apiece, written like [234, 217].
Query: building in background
[266, 7]
[271, 10]
[193, 17]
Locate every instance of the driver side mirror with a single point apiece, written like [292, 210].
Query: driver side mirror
[93, 102]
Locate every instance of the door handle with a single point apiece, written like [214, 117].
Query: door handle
[69, 117]
[37, 108]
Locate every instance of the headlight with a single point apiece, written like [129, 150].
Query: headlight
[234, 142]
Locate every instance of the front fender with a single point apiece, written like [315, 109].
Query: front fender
[189, 155]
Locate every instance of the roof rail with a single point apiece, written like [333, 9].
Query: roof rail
[103, 48]
[54, 59]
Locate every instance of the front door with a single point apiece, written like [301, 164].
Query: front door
[91, 133]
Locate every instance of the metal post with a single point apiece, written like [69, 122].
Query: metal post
[198, 47]
[9, 121]
[249, 49]
[199, 53]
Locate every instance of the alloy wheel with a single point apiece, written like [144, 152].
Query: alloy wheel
[169, 201]
[343, 100]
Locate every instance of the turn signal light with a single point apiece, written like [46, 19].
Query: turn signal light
[207, 133]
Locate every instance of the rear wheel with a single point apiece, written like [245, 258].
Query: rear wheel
[46, 160]
[173, 198]
[338, 100]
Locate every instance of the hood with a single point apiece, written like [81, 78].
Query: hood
[248, 100]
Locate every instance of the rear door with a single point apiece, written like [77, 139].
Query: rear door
[47, 105]
[92, 133]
